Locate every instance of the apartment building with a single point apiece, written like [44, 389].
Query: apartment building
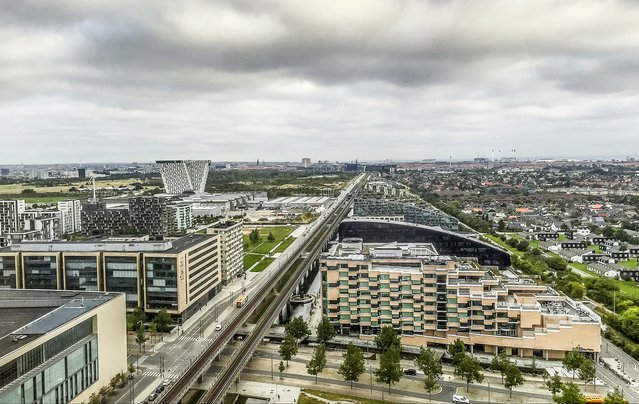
[432, 300]
[10, 215]
[231, 248]
[71, 216]
[180, 275]
[373, 207]
[50, 351]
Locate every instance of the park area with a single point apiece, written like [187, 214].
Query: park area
[260, 243]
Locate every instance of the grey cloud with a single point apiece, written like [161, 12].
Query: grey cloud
[241, 77]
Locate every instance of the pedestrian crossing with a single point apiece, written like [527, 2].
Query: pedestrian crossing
[198, 339]
[167, 375]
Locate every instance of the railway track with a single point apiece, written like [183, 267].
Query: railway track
[230, 372]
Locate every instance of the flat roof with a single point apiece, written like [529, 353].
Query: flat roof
[173, 246]
[30, 313]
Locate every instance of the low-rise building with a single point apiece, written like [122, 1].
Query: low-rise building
[59, 346]
[180, 275]
[432, 300]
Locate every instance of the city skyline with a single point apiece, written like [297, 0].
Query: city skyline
[237, 81]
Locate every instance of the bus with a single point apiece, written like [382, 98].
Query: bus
[240, 301]
[594, 400]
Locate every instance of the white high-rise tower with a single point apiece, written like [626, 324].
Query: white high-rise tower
[184, 175]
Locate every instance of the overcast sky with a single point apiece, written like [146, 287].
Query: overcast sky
[112, 80]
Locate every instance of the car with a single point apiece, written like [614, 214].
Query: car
[410, 372]
[166, 382]
[152, 396]
[218, 327]
[458, 398]
[159, 389]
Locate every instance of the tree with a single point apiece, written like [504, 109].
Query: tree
[153, 329]
[297, 328]
[499, 363]
[469, 368]
[325, 331]
[140, 337]
[614, 397]
[353, 366]
[288, 348]
[554, 384]
[94, 399]
[254, 236]
[630, 322]
[281, 368]
[514, 377]
[390, 370]
[587, 372]
[270, 237]
[428, 362]
[573, 360]
[162, 319]
[570, 394]
[457, 350]
[387, 338]
[501, 225]
[139, 317]
[317, 362]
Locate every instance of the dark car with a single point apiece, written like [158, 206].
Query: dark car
[159, 389]
[410, 372]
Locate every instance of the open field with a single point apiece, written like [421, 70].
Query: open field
[13, 189]
[254, 252]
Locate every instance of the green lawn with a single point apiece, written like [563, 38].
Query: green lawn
[632, 264]
[250, 259]
[262, 265]
[287, 242]
[264, 246]
[501, 243]
[344, 397]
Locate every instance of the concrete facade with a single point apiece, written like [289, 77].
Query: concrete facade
[231, 248]
[433, 300]
[179, 276]
[58, 347]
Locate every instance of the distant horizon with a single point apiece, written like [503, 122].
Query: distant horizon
[609, 158]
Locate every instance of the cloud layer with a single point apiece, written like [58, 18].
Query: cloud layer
[338, 80]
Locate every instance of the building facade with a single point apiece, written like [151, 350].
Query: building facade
[411, 213]
[181, 176]
[71, 216]
[433, 300]
[231, 248]
[57, 347]
[10, 215]
[179, 276]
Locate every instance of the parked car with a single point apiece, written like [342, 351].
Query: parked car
[166, 382]
[458, 398]
[152, 396]
[159, 389]
[410, 372]
[218, 327]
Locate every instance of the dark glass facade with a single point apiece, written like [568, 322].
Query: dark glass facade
[81, 273]
[122, 276]
[40, 272]
[161, 283]
[446, 243]
[7, 272]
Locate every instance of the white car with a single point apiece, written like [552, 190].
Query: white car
[218, 327]
[166, 382]
[458, 398]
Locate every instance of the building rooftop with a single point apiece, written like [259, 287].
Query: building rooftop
[173, 246]
[27, 314]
